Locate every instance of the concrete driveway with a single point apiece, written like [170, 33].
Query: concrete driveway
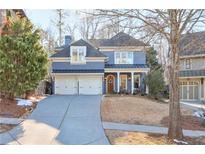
[61, 120]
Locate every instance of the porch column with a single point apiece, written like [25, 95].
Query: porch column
[200, 89]
[118, 82]
[146, 87]
[132, 82]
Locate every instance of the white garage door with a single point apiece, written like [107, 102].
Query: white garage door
[82, 85]
[90, 85]
[189, 90]
[66, 85]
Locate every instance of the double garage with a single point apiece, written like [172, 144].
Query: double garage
[78, 85]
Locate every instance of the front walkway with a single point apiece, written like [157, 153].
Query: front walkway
[148, 129]
[61, 120]
[193, 105]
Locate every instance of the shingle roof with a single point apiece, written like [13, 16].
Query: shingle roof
[120, 39]
[80, 71]
[91, 51]
[192, 44]
[126, 66]
[190, 73]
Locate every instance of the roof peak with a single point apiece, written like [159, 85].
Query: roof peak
[120, 39]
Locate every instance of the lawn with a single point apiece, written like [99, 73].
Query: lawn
[142, 110]
[117, 137]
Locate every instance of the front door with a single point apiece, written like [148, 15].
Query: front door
[110, 84]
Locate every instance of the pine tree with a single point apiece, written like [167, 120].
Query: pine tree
[155, 78]
[23, 61]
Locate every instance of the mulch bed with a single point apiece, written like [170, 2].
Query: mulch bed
[188, 122]
[9, 108]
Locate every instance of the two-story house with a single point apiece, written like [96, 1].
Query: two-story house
[192, 67]
[100, 66]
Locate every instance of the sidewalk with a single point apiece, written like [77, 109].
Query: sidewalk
[12, 121]
[148, 129]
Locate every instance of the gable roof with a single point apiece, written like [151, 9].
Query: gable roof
[192, 44]
[120, 39]
[91, 51]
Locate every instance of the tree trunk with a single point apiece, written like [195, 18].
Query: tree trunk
[175, 128]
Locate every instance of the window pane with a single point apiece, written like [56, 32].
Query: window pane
[123, 82]
[136, 82]
[184, 92]
[196, 91]
[74, 56]
[124, 58]
[129, 59]
[187, 63]
[81, 56]
[117, 55]
[117, 58]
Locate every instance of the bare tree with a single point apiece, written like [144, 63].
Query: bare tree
[59, 23]
[71, 29]
[89, 26]
[47, 40]
[169, 24]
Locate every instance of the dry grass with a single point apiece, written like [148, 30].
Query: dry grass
[117, 137]
[132, 138]
[136, 110]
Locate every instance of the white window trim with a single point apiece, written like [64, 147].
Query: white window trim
[71, 53]
[126, 56]
[188, 87]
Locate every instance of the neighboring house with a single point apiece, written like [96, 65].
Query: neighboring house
[101, 66]
[192, 67]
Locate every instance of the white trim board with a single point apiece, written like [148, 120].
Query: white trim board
[127, 70]
[76, 74]
[123, 48]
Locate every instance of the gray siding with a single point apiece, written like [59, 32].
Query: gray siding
[139, 57]
[196, 64]
[68, 66]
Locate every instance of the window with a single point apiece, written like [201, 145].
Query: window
[136, 82]
[78, 54]
[123, 82]
[123, 58]
[188, 64]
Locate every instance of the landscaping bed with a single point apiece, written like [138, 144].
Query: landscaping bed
[10, 109]
[142, 110]
[117, 137]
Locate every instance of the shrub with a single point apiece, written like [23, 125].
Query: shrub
[23, 60]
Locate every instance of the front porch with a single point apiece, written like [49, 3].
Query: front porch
[125, 82]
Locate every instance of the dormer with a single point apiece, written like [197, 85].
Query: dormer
[78, 54]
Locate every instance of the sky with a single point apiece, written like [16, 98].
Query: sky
[40, 18]
[43, 19]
